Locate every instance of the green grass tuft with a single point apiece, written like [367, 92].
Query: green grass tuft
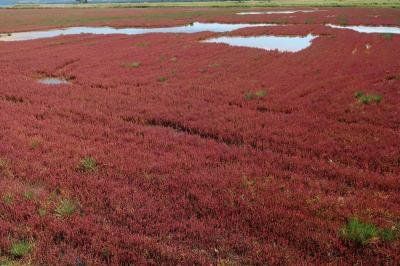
[34, 144]
[309, 21]
[8, 199]
[5, 168]
[358, 94]
[365, 233]
[261, 93]
[20, 249]
[367, 98]
[248, 96]
[134, 65]
[359, 232]
[142, 44]
[257, 94]
[387, 36]
[88, 164]
[388, 235]
[162, 79]
[4, 261]
[28, 195]
[65, 208]
[42, 212]
[342, 20]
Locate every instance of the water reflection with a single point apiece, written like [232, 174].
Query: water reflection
[53, 81]
[191, 28]
[368, 29]
[280, 43]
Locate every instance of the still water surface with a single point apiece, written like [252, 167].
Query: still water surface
[279, 43]
[191, 28]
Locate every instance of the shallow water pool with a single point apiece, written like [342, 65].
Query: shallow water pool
[53, 81]
[191, 28]
[368, 29]
[280, 43]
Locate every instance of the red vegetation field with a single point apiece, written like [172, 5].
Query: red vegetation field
[188, 168]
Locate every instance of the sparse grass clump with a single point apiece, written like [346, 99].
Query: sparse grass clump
[214, 65]
[42, 212]
[28, 195]
[105, 254]
[371, 98]
[8, 199]
[34, 144]
[257, 94]
[142, 44]
[387, 36]
[261, 93]
[65, 208]
[358, 94]
[134, 65]
[5, 167]
[20, 249]
[393, 78]
[309, 21]
[359, 232]
[313, 200]
[342, 20]
[226, 262]
[4, 261]
[3, 163]
[248, 96]
[367, 98]
[162, 79]
[388, 234]
[88, 164]
[365, 233]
